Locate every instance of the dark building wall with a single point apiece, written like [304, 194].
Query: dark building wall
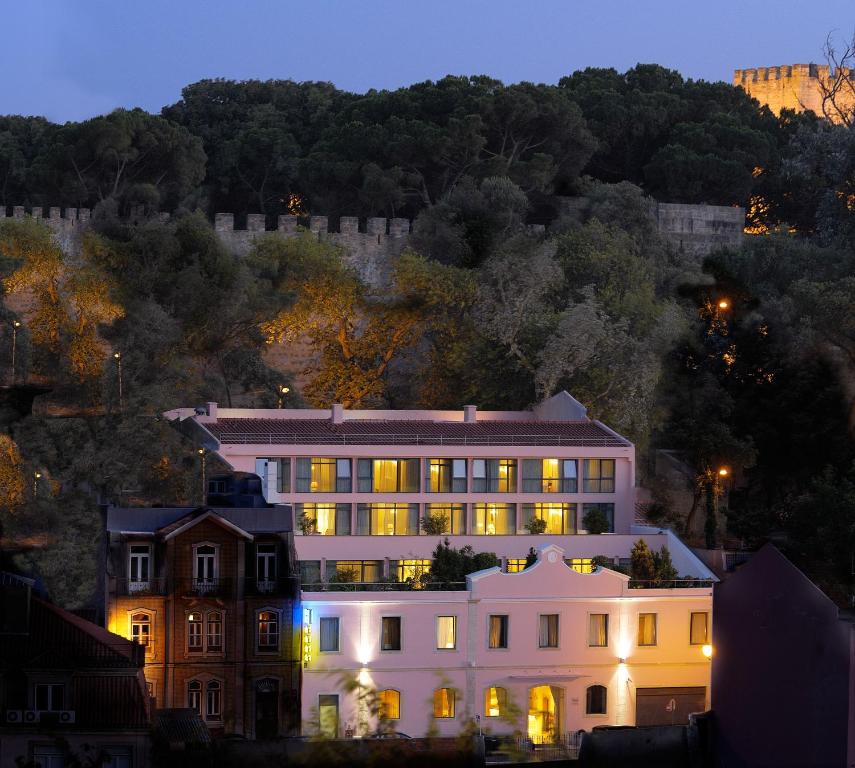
[781, 670]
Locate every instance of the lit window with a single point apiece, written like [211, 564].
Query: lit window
[498, 632]
[194, 695]
[329, 635]
[549, 476]
[515, 565]
[194, 631]
[647, 629]
[454, 514]
[213, 701]
[387, 519]
[443, 703]
[495, 702]
[214, 631]
[446, 632]
[559, 517]
[50, 697]
[699, 629]
[445, 475]
[495, 519]
[599, 476]
[390, 633]
[598, 630]
[411, 570]
[141, 629]
[388, 475]
[323, 475]
[595, 700]
[548, 631]
[581, 564]
[390, 704]
[268, 631]
[494, 475]
[354, 571]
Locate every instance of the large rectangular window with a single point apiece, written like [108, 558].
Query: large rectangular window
[699, 628]
[283, 475]
[599, 476]
[558, 516]
[323, 475]
[647, 629]
[409, 570]
[497, 635]
[549, 476]
[446, 633]
[494, 519]
[445, 475]
[390, 633]
[598, 630]
[326, 519]
[494, 475]
[310, 573]
[454, 514]
[388, 476]
[329, 635]
[355, 571]
[548, 630]
[387, 519]
[605, 511]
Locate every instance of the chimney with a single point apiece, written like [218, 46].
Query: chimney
[337, 413]
[212, 410]
[470, 414]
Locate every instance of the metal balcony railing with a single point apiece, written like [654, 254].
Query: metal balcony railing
[669, 583]
[206, 587]
[293, 438]
[129, 587]
[382, 586]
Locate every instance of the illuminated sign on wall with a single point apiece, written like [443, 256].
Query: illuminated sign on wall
[307, 636]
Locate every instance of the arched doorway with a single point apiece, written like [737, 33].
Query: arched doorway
[544, 713]
[267, 708]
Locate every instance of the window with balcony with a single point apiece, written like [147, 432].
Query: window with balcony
[310, 573]
[595, 700]
[599, 476]
[141, 629]
[446, 633]
[699, 628]
[265, 568]
[606, 511]
[329, 641]
[443, 703]
[494, 475]
[598, 630]
[409, 570]
[387, 519]
[139, 567]
[454, 515]
[323, 475]
[326, 519]
[390, 633]
[495, 702]
[214, 631]
[494, 519]
[389, 701]
[213, 700]
[549, 476]
[497, 632]
[388, 475]
[558, 516]
[268, 631]
[646, 629]
[49, 697]
[445, 475]
[194, 632]
[355, 571]
[547, 636]
[206, 567]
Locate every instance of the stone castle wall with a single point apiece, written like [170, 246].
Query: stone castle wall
[795, 86]
[698, 230]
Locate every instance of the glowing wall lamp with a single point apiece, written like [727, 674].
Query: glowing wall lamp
[707, 650]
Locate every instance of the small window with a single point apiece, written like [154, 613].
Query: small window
[213, 701]
[194, 695]
[283, 475]
[598, 630]
[699, 631]
[498, 632]
[548, 631]
[495, 702]
[390, 633]
[390, 704]
[595, 700]
[446, 632]
[141, 629]
[580, 564]
[139, 567]
[329, 639]
[194, 631]
[265, 567]
[268, 631]
[443, 703]
[50, 697]
[214, 634]
[515, 565]
[647, 629]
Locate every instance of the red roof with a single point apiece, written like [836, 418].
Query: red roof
[413, 432]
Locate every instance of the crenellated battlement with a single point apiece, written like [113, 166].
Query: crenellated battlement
[285, 224]
[791, 86]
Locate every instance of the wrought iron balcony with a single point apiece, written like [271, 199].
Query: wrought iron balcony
[140, 587]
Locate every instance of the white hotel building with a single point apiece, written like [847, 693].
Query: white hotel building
[548, 650]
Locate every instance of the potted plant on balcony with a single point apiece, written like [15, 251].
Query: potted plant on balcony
[308, 525]
[435, 523]
[536, 525]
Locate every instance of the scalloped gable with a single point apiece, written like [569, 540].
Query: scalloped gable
[549, 577]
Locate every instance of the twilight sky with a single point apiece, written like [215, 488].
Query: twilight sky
[71, 60]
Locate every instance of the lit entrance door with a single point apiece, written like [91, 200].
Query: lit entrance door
[328, 715]
[544, 714]
[267, 709]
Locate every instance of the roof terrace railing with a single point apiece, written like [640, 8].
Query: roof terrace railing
[289, 438]
[383, 586]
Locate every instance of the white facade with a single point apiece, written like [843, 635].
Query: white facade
[530, 674]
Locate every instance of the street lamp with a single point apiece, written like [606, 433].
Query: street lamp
[15, 325]
[283, 390]
[36, 478]
[712, 484]
[118, 358]
[723, 304]
[202, 456]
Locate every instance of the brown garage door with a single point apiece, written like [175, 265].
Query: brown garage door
[668, 706]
